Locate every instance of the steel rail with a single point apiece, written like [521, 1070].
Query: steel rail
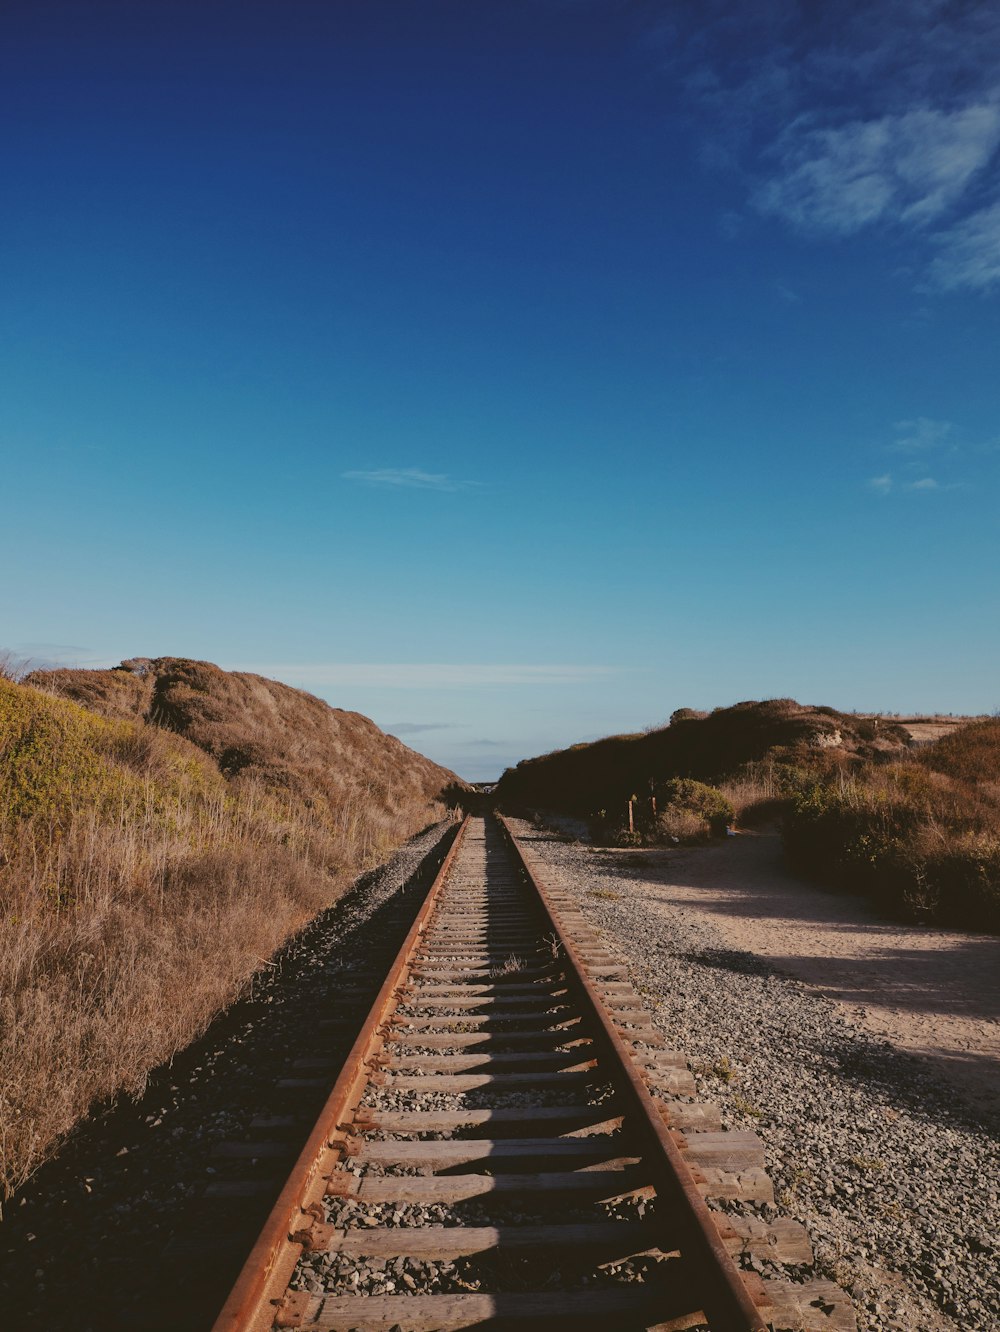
[721, 1291]
[254, 1300]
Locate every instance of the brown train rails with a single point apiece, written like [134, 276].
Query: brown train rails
[510, 1145]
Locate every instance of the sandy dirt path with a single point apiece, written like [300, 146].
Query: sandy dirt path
[931, 992]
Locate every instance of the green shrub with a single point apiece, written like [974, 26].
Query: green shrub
[687, 810]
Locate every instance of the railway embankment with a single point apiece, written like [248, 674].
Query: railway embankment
[165, 827]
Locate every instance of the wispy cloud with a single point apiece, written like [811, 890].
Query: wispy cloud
[58, 649]
[408, 478]
[905, 168]
[423, 675]
[415, 728]
[969, 253]
[49, 656]
[921, 435]
[921, 446]
[853, 118]
[883, 485]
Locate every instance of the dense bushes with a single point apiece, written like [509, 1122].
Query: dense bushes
[971, 753]
[688, 809]
[706, 747]
[681, 810]
[924, 844]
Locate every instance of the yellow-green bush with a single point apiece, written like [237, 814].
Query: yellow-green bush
[694, 806]
[56, 758]
[139, 891]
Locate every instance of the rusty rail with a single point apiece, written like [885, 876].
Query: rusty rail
[722, 1292]
[712, 1288]
[255, 1298]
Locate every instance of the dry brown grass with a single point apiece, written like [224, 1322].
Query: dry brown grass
[970, 754]
[756, 792]
[921, 835]
[140, 890]
[680, 825]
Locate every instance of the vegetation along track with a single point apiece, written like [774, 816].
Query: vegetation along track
[510, 1145]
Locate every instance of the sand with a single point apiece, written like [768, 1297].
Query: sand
[931, 992]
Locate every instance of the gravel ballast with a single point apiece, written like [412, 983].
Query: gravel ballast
[896, 1179]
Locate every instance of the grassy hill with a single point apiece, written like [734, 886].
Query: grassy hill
[164, 827]
[870, 805]
[703, 746]
[356, 780]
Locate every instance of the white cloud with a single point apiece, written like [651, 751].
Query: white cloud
[422, 675]
[905, 168]
[839, 119]
[921, 435]
[883, 485]
[920, 443]
[730, 224]
[52, 656]
[414, 728]
[408, 478]
[786, 293]
[57, 649]
[969, 253]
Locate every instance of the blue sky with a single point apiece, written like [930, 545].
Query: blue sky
[512, 372]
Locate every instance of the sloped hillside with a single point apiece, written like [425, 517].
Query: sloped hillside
[258, 730]
[153, 856]
[865, 807]
[708, 747]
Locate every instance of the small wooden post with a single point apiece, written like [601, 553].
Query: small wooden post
[631, 822]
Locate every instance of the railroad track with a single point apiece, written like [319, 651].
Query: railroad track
[510, 1144]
